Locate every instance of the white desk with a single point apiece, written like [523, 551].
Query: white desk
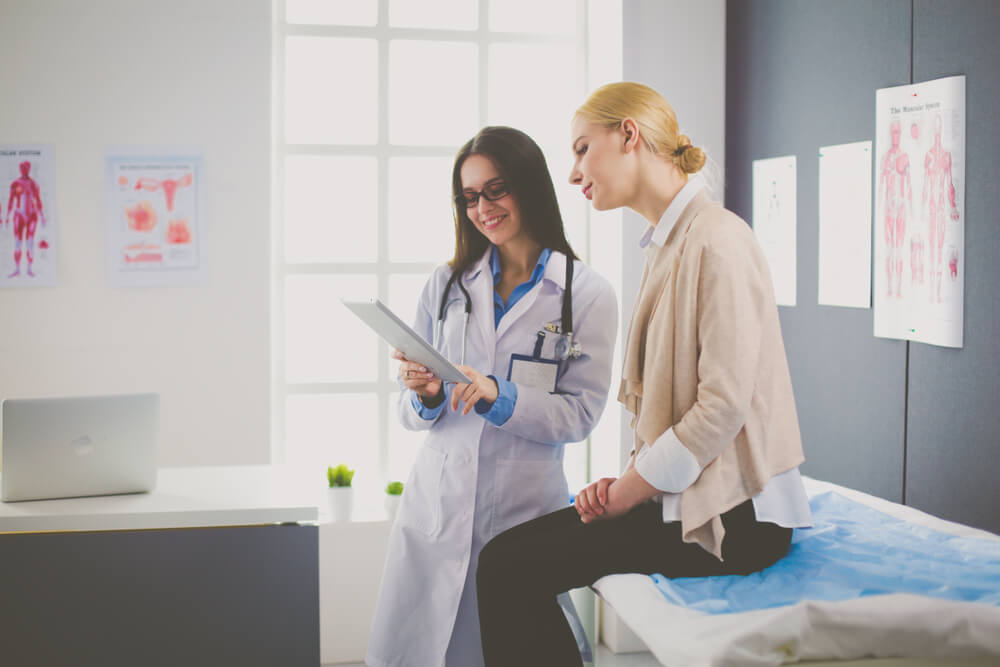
[183, 498]
[217, 566]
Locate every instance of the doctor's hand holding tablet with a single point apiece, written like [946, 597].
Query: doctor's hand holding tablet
[422, 381]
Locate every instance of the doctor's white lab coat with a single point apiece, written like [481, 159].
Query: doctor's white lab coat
[472, 480]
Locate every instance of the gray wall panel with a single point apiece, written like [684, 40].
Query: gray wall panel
[799, 76]
[954, 413]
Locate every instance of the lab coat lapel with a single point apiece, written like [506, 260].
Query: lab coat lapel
[555, 272]
[479, 282]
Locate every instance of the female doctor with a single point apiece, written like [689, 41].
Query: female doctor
[534, 330]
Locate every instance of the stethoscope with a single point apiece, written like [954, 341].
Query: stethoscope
[565, 348]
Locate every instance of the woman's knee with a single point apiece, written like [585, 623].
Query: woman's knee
[498, 557]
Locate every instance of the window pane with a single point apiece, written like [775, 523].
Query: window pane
[432, 92]
[330, 209]
[324, 341]
[550, 17]
[403, 444]
[572, 203]
[421, 226]
[446, 14]
[330, 429]
[549, 76]
[332, 12]
[331, 90]
[404, 297]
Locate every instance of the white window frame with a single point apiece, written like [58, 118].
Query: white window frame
[382, 268]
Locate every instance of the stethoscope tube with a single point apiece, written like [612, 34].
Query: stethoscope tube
[444, 307]
[564, 349]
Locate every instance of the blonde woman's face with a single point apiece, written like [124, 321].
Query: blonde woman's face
[599, 164]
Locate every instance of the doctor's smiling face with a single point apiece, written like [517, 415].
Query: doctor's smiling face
[498, 220]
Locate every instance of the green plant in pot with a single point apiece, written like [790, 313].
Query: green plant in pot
[393, 494]
[340, 491]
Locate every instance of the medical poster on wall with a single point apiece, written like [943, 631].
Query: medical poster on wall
[154, 220]
[919, 221]
[27, 216]
[774, 219]
[845, 225]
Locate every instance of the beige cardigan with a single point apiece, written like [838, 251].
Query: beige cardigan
[704, 355]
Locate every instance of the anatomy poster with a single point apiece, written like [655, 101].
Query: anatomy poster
[27, 216]
[920, 212]
[845, 225]
[774, 218]
[154, 221]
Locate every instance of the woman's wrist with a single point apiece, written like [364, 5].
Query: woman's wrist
[432, 401]
[633, 489]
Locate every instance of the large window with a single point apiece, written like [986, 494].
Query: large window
[373, 98]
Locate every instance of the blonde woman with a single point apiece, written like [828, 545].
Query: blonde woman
[712, 485]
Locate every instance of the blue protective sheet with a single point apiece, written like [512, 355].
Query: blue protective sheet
[852, 551]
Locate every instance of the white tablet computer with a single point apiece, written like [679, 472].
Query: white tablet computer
[395, 331]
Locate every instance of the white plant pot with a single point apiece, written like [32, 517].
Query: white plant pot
[341, 502]
[392, 505]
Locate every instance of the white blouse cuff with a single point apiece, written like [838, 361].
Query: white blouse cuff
[668, 465]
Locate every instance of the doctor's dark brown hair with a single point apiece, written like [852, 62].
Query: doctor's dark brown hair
[522, 165]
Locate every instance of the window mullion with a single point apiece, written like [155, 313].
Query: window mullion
[383, 265]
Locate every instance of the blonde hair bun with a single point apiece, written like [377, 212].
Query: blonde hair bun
[610, 104]
[689, 159]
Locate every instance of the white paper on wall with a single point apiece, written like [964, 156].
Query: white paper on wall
[154, 220]
[774, 217]
[28, 239]
[920, 212]
[845, 225]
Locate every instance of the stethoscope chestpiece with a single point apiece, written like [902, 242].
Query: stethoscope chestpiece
[567, 348]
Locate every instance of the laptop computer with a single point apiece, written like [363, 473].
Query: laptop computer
[81, 446]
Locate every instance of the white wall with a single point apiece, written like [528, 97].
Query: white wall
[678, 48]
[85, 76]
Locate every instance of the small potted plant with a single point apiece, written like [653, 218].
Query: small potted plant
[393, 492]
[341, 494]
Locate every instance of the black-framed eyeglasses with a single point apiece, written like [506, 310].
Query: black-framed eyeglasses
[493, 190]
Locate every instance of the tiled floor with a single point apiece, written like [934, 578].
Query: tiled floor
[605, 658]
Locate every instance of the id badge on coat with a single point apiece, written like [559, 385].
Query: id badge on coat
[533, 372]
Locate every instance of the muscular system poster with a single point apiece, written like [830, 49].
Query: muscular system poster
[919, 224]
[154, 221]
[27, 216]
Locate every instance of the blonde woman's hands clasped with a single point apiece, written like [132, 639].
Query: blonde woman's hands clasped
[593, 502]
[482, 387]
[417, 377]
[611, 497]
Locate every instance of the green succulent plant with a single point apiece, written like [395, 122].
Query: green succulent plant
[339, 476]
[394, 489]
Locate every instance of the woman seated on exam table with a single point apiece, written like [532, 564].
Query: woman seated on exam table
[493, 456]
[712, 486]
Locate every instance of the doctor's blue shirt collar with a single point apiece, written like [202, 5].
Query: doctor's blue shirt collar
[543, 260]
[657, 234]
[499, 307]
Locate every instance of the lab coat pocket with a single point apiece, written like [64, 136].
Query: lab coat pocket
[421, 504]
[527, 489]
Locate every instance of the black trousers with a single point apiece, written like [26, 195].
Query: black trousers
[523, 569]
